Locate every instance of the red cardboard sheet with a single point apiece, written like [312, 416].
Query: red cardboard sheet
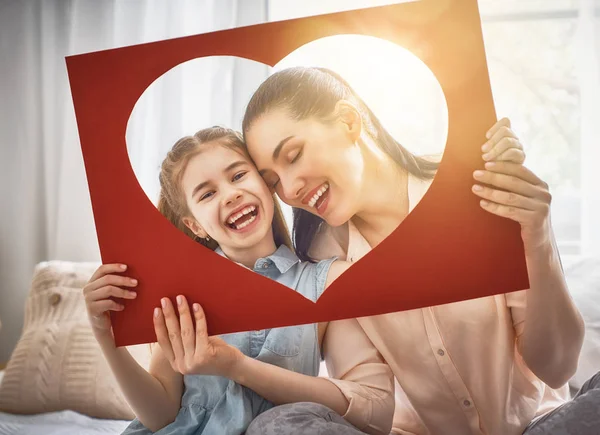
[448, 249]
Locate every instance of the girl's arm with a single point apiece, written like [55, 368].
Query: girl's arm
[153, 395]
[195, 353]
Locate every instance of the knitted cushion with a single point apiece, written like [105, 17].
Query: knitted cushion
[57, 363]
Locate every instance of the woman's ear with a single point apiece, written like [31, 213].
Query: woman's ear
[194, 227]
[351, 120]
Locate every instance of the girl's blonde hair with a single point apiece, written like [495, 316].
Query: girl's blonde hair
[172, 203]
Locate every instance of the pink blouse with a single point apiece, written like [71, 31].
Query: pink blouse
[457, 367]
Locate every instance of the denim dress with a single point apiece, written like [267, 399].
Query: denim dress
[216, 405]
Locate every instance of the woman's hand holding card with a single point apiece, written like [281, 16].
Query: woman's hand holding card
[511, 190]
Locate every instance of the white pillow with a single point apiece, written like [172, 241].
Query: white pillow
[57, 363]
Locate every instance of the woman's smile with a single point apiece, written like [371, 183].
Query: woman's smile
[318, 198]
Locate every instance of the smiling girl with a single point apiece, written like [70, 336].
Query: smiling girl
[211, 190]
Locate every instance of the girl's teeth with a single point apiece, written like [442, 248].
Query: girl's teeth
[245, 211]
[245, 224]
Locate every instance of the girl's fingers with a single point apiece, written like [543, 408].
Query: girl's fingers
[187, 326]
[173, 329]
[116, 280]
[108, 291]
[503, 144]
[201, 329]
[510, 183]
[162, 336]
[105, 269]
[99, 307]
[509, 199]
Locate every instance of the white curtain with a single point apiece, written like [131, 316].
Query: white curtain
[588, 71]
[46, 211]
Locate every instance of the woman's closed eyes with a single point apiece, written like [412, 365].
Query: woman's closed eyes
[293, 157]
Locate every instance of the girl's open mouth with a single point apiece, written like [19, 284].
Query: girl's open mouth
[244, 220]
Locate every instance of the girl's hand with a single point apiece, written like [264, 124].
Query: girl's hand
[524, 197]
[98, 292]
[192, 351]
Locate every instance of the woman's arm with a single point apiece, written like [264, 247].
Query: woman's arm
[552, 328]
[357, 368]
[197, 353]
[154, 396]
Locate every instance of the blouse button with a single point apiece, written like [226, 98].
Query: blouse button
[265, 265]
[441, 352]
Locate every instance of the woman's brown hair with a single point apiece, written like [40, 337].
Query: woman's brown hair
[314, 92]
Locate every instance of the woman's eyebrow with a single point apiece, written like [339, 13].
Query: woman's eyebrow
[276, 153]
[277, 149]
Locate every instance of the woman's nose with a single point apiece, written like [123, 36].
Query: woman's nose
[291, 188]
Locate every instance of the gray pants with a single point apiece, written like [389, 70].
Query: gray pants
[579, 416]
[301, 418]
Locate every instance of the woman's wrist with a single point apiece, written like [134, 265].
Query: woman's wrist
[539, 243]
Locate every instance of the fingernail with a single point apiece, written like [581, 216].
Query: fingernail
[477, 188]
[485, 146]
[486, 156]
[179, 300]
[163, 302]
[123, 267]
[134, 294]
[484, 203]
[488, 135]
[196, 308]
[478, 174]
[489, 165]
[156, 312]
[134, 281]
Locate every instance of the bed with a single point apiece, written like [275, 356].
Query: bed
[57, 423]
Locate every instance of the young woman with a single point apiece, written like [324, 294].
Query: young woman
[486, 366]
[198, 384]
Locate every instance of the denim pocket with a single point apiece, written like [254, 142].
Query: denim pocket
[284, 341]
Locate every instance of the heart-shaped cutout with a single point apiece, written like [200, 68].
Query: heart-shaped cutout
[446, 250]
[397, 87]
